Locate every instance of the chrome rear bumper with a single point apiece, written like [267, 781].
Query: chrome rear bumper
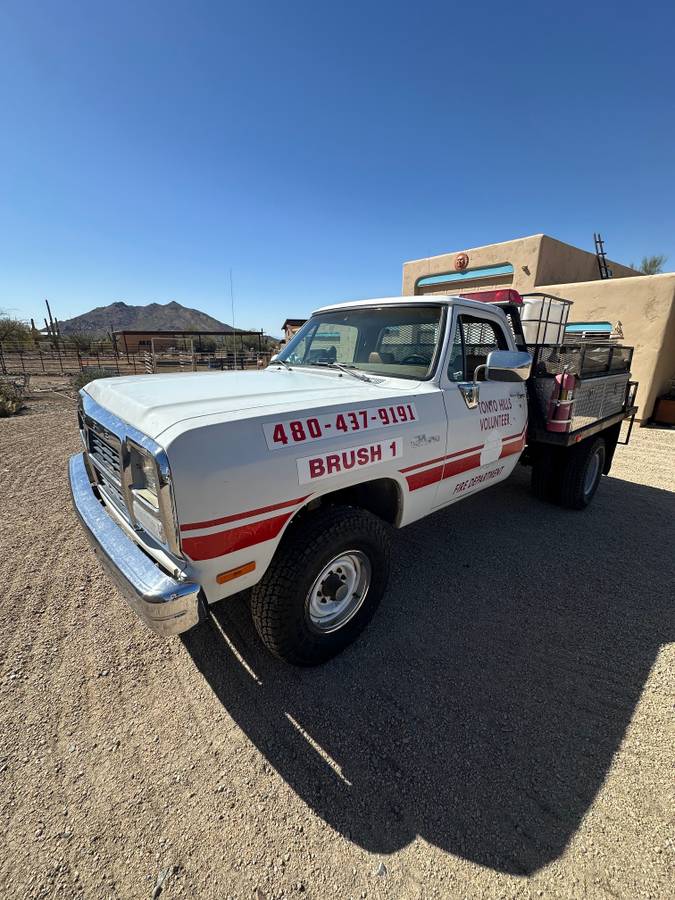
[165, 605]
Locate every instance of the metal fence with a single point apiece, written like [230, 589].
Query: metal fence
[71, 361]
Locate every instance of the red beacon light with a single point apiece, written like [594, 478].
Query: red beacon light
[505, 295]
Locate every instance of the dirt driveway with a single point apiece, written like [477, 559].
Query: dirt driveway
[503, 729]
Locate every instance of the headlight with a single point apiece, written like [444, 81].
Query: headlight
[149, 494]
[145, 492]
[144, 478]
[151, 485]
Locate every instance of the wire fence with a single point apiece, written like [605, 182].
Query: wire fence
[72, 361]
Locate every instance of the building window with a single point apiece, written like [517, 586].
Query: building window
[451, 282]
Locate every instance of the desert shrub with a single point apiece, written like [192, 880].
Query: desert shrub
[81, 342]
[85, 377]
[14, 330]
[12, 399]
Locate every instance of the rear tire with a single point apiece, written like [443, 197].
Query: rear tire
[581, 474]
[323, 586]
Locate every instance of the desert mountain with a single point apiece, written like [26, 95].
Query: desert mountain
[120, 316]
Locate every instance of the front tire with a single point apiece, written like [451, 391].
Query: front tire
[323, 586]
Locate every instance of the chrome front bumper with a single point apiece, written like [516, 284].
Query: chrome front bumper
[165, 605]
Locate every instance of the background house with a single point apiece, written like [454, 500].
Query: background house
[290, 327]
[644, 304]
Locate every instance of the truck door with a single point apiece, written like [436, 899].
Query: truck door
[483, 442]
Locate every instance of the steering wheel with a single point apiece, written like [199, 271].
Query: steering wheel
[415, 359]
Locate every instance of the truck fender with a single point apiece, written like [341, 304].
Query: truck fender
[384, 497]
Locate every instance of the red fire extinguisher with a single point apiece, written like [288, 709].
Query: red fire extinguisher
[560, 405]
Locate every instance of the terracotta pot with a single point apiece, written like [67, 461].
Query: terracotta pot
[664, 411]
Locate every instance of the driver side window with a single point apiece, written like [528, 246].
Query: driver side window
[473, 341]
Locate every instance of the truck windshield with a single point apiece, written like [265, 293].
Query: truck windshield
[395, 341]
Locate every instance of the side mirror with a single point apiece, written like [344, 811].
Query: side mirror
[508, 365]
[501, 365]
[273, 358]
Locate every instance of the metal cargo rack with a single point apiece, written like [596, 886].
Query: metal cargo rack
[604, 396]
[585, 359]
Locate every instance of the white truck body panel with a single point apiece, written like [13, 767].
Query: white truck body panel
[227, 471]
[236, 490]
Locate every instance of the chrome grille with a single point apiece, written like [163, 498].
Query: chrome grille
[106, 454]
[111, 492]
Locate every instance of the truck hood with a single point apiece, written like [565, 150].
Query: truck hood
[153, 403]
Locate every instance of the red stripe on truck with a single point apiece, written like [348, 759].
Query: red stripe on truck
[513, 447]
[430, 462]
[512, 437]
[209, 546]
[447, 470]
[512, 444]
[423, 479]
[193, 526]
[461, 465]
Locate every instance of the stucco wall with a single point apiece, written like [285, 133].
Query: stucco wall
[645, 306]
[523, 254]
[537, 259]
[560, 262]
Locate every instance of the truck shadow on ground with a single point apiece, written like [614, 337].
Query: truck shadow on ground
[483, 706]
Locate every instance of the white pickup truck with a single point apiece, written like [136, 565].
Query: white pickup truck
[286, 482]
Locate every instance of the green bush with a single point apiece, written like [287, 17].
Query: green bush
[83, 378]
[12, 399]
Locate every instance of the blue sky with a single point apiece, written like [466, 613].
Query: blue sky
[147, 148]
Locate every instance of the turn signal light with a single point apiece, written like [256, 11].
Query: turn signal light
[231, 574]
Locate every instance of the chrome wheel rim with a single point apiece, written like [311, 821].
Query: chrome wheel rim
[338, 591]
[591, 473]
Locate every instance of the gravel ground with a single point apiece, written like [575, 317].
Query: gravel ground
[503, 729]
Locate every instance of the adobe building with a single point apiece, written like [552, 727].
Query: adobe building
[291, 327]
[644, 304]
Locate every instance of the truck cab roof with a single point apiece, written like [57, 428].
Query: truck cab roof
[416, 300]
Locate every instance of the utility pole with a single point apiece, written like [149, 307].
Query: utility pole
[234, 330]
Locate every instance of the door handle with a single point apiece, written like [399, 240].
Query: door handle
[470, 390]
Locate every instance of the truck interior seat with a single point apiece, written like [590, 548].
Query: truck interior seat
[381, 357]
